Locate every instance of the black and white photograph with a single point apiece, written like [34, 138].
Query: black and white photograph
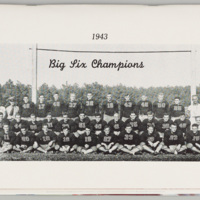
[99, 102]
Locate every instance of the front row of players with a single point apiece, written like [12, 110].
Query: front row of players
[127, 141]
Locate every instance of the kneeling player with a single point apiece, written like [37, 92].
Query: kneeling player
[193, 139]
[24, 141]
[66, 141]
[108, 142]
[129, 141]
[174, 140]
[151, 141]
[87, 142]
[45, 140]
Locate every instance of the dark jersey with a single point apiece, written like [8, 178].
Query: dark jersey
[73, 109]
[176, 110]
[107, 139]
[26, 109]
[84, 139]
[98, 126]
[129, 138]
[184, 125]
[81, 125]
[70, 124]
[10, 137]
[57, 107]
[43, 138]
[146, 137]
[52, 124]
[146, 123]
[135, 124]
[192, 137]
[173, 138]
[127, 107]
[116, 125]
[159, 108]
[90, 107]
[27, 139]
[41, 109]
[144, 107]
[16, 126]
[35, 126]
[68, 139]
[162, 125]
[109, 107]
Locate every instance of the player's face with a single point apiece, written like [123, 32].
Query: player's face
[23, 130]
[150, 130]
[72, 97]
[128, 129]
[41, 99]
[98, 118]
[87, 130]
[194, 129]
[160, 97]
[173, 128]
[89, 96]
[195, 100]
[82, 116]
[144, 98]
[166, 118]
[6, 128]
[12, 103]
[116, 117]
[198, 120]
[107, 131]
[109, 97]
[33, 118]
[127, 98]
[177, 101]
[25, 99]
[18, 118]
[49, 117]
[45, 128]
[150, 117]
[133, 116]
[55, 96]
[65, 117]
[182, 117]
[66, 131]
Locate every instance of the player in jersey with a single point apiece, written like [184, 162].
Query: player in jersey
[108, 142]
[81, 123]
[98, 124]
[45, 140]
[135, 122]
[151, 141]
[129, 141]
[127, 107]
[116, 125]
[51, 123]
[27, 108]
[90, 106]
[24, 141]
[174, 140]
[150, 121]
[163, 125]
[17, 123]
[66, 141]
[143, 107]
[109, 108]
[176, 109]
[193, 139]
[7, 139]
[183, 124]
[34, 126]
[73, 107]
[41, 108]
[87, 142]
[160, 107]
[66, 122]
[57, 107]
[3, 121]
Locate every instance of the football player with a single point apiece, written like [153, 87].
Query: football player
[11, 109]
[98, 124]
[34, 126]
[116, 125]
[3, 121]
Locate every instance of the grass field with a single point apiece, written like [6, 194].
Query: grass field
[95, 157]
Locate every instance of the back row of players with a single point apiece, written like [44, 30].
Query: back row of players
[83, 129]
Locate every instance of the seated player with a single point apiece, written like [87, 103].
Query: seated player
[193, 139]
[135, 122]
[87, 142]
[24, 141]
[108, 142]
[116, 125]
[163, 125]
[174, 140]
[98, 124]
[34, 126]
[7, 139]
[66, 141]
[45, 140]
[81, 123]
[151, 141]
[3, 121]
[129, 141]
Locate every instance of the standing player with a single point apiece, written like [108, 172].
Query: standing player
[66, 141]
[34, 126]
[109, 108]
[127, 107]
[160, 107]
[45, 140]
[144, 106]
[116, 125]
[26, 108]
[98, 124]
[193, 139]
[151, 141]
[12, 109]
[176, 109]
[174, 140]
[90, 106]
[129, 141]
[24, 141]
[87, 142]
[57, 107]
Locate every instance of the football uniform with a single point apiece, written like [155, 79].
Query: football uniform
[173, 138]
[25, 139]
[146, 123]
[129, 138]
[159, 108]
[26, 109]
[16, 126]
[82, 124]
[192, 137]
[116, 126]
[176, 110]
[70, 124]
[44, 139]
[107, 139]
[7, 140]
[135, 124]
[73, 109]
[98, 127]
[143, 107]
[57, 107]
[184, 125]
[90, 140]
[127, 107]
[41, 109]
[52, 124]
[90, 107]
[34, 126]
[109, 108]
[66, 140]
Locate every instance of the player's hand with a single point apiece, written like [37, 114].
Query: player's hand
[86, 146]
[50, 143]
[24, 146]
